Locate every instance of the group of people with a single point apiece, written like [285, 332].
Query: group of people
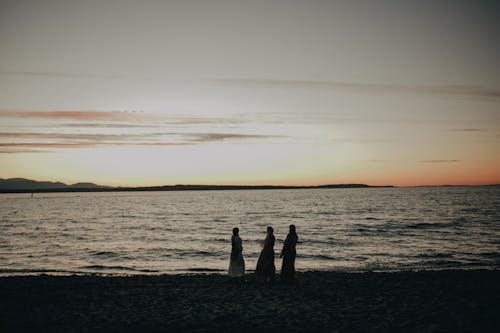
[265, 265]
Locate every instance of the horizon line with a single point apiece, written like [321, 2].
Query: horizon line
[125, 187]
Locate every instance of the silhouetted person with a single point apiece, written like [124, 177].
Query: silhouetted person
[265, 266]
[236, 264]
[288, 253]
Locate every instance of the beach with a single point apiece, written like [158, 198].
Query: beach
[425, 301]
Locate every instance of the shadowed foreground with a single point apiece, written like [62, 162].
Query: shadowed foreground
[320, 301]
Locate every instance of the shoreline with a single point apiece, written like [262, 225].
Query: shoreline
[19, 273]
[202, 188]
[445, 300]
[185, 188]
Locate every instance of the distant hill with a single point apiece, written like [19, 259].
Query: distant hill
[28, 185]
[21, 185]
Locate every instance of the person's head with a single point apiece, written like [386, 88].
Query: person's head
[236, 231]
[270, 230]
[292, 228]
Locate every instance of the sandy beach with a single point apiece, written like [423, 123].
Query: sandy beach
[432, 301]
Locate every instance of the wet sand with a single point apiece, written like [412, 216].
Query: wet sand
[433, 301]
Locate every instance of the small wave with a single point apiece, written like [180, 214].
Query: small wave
[326, 213]
[493, 256]
[201, 269]
[219, 240]
[328, 241]
[471, 210]
[317, 256]
[28, 270]
[428, 225]
[117, 268]
[104, 254]
[435, 255]
[263, 213]
[195, 253]
[440, 263]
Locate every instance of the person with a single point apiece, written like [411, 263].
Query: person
[265, 265]
[236, 263]
[288, 254]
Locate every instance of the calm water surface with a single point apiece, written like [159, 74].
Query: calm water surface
[178, 232]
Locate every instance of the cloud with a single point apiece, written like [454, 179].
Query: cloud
[18, 151]
[440, 161]
[138, 118]
[464, 91]
[58, 74]
[86, 144]
[469, 130]
[217, 137]
[109, 125]
[75, 115]
[115, 129]
[76, 136]
[75, 141]
[51, 144]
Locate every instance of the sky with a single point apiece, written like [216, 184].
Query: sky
[139, 93]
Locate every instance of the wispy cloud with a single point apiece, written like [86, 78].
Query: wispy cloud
[51, 144]
[119, 116]
[118, 128]
[440, 161]
[469, 130]
[120, 125]
[464, 91]
[18, 151]
[217, 137]
[57, 74]
[76, 115]
[76, 136]
[74, 141]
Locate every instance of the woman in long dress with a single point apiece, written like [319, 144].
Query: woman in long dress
[288, 253]
[236, 264]
[265, 265]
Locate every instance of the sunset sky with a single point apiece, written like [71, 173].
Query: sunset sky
[250, 92]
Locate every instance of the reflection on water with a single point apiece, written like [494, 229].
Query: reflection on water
[172, 232]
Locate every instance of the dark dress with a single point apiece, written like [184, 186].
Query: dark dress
[236, 264]
[265, 265]
[289, 253]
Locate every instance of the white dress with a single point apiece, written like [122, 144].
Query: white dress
[236, 263]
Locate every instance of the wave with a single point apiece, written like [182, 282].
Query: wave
[107, 254]
[31, 270]
[435, 255]
[328, 241]
[117, 268]
[428, 225]
[201, 269]
[317, 256]
[326, 213]
[492, 256]
[471, 210]
[443, 264]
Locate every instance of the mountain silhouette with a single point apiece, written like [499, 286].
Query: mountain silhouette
[28, 185]
[22, 185]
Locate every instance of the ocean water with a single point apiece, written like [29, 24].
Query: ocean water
[379, 229]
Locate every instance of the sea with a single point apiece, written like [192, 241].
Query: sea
[344, 230]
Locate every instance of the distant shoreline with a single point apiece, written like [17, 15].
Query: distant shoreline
[211, 188]
[21, 185]
[186, 188]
